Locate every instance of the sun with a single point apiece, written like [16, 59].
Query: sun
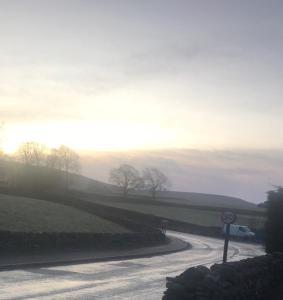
[107, 135]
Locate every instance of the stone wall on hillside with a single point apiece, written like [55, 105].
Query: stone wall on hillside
[252, 278]
[133, 220]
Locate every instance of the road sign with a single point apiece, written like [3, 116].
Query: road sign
[228, 217]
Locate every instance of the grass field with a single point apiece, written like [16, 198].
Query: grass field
[211, 200]
[19, 214]
[189, 215]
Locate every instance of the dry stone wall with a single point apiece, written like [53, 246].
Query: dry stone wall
[252, 278]
[20, 242]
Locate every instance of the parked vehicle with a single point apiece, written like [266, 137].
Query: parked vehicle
[240, 231]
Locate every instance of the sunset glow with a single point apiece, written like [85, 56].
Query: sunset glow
[85, 136]
[143, 81]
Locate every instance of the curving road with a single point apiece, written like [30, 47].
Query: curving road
[142, 278]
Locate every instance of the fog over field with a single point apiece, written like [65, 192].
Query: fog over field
[246, 174]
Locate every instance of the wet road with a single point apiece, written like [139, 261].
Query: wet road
[142, 278]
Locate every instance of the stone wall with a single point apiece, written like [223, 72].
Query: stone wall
[133, 220]
[19, 242]
[252, 278]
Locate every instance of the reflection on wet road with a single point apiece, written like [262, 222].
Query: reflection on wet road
[142, 278]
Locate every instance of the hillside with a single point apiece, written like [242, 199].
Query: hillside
[244, 174]
[207, 200]
[21, 214]
[196, 208]
[89, 185]
[83, 183]
[86, 184]
[188, 214]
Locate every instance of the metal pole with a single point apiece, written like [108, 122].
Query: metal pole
[227, 235]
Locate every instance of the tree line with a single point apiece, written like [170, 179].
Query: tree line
[129, 179]
[41, 167]
[63, 158]
[44, 168]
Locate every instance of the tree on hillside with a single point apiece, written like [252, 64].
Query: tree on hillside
[2, 169]
[155, 181]
[126, 177]
[32, 153]
[1, 139]
[53, 159]
[274, 224]
[68, 161]
[33, 175]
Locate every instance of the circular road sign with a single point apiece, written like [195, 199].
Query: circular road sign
[228, 217]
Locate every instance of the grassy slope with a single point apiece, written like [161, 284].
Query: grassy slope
[202, 217]
[93, 186]
[189, 215]
[86, 184]
[207, 200]
[33, 215]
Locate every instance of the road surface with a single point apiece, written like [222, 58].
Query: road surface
[142, 278]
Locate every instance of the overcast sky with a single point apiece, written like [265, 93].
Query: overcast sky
[142, 74]
[119, 75]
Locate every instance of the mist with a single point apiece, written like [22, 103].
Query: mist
[247, 174]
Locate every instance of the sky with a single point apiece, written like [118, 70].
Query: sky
[127, 75]
[142, 74]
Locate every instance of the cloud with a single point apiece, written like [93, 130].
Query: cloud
[162, 60]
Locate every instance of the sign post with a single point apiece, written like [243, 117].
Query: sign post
[164, 224]
[228, 218]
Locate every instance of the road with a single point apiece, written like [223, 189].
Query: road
[142, 278]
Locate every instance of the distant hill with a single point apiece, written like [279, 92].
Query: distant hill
[82, 183]
[245, 174]
[206, 200]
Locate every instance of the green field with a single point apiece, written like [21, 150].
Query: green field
[189, 215]
[20, 214]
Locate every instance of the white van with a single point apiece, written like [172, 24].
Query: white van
[240, 231]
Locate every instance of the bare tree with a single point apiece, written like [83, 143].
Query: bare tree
[155, 181]
[33, 153]
[53, 159]
[1, 138]
[126, 177]
[68, 161]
